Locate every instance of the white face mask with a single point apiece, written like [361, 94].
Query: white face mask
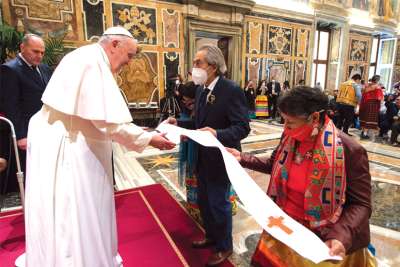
[199, 76]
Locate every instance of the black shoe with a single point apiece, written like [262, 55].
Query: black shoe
[364, 136]
[203, 243]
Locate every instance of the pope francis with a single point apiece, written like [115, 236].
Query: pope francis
[69, 210]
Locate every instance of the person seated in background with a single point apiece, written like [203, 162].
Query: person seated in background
[388, 111]
[308, 184]
[396, 123]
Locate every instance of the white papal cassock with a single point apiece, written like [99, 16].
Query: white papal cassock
[70, 212]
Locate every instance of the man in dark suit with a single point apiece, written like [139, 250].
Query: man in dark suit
[274, 89]
[22, 85]
[221, 108]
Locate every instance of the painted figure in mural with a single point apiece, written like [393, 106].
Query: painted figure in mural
[69, 209]
[360, 4]
[386, 8]
[25, 79]
[359, 50]
[221, 109]
[300, 71]
[139, 78]
[303, 168]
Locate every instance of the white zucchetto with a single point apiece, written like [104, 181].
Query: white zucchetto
[118, 30]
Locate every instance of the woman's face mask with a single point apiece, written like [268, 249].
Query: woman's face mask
[301, 133]
[199, 76]
[297, 128]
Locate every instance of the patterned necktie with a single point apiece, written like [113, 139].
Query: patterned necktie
[37, 73]
[203, 97]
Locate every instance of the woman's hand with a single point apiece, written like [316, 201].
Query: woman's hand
[234, 153]
[336, 248]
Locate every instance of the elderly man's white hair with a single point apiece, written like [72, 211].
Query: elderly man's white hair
[215, 57]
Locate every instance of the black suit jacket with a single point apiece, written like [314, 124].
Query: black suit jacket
[277, 88]
[21, 92]
[228, 116]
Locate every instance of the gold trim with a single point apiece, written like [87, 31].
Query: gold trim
[11, 215]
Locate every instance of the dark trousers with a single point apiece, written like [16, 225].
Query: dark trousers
[384, 125]
[216, 210]
[345, 117]
[272, 108]
[395, 131]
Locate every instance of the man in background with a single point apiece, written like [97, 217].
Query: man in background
[22, 85]
[274, 89]
[349, 96]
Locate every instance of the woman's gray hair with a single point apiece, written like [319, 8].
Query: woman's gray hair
[215, 57]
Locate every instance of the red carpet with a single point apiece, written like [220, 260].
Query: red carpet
[153, 230]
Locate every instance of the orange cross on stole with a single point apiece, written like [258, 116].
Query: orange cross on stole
[279, 223]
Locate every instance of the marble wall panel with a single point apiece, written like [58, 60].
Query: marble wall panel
[45, 17]
[254, 35]
[171, 64]
[279, 40]
[277, 70]
[302, 42]
[335, 45]
[358, 55]
[140, 21]
[139, 78]
[358, 50]
[93, 18]
[254, 70]
[171, 27]
[360, 68]
[300, 71]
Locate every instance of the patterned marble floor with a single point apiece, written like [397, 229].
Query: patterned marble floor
[154, 166]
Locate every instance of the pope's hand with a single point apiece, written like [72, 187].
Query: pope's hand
[172, 120]
[336, 248]
[3, 164]
[159, 141]
[211, 130]
[22, 143]
[234, 153]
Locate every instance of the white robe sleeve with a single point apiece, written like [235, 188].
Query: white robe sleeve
[126, 134]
